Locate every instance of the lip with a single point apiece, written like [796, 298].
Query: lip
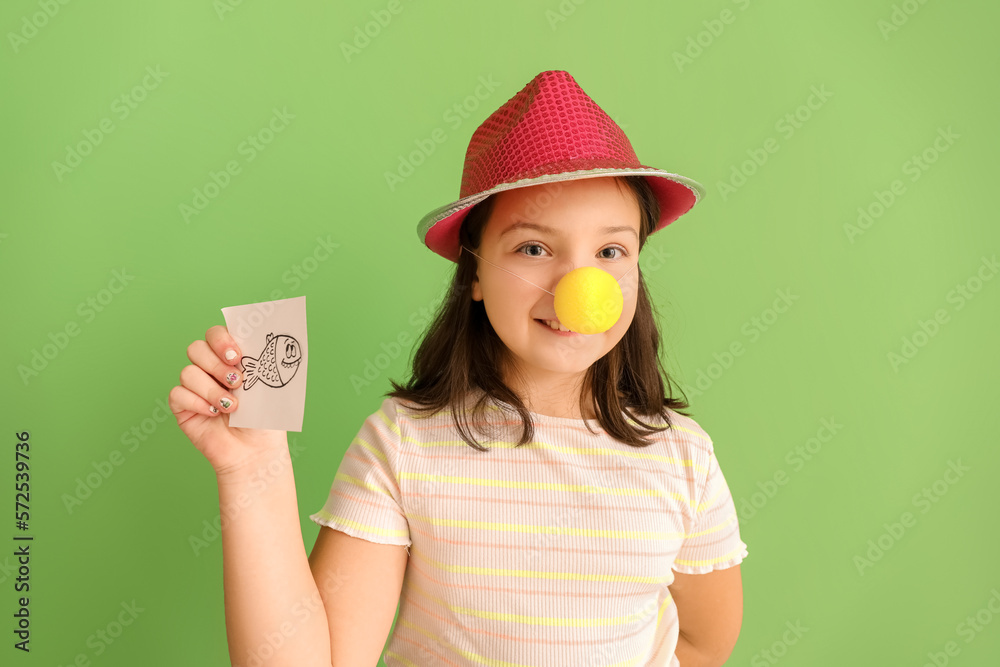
[556, 331]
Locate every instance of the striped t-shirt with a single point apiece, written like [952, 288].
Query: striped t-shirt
[557, 552]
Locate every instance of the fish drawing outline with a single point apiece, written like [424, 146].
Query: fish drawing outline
[270, 368]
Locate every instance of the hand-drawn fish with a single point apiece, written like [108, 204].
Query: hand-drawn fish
[277, 362]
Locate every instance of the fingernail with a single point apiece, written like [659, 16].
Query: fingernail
[230, 355]
[225, 402]
[232, 378]
[214, 409]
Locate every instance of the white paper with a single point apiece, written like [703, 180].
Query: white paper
[275, 355]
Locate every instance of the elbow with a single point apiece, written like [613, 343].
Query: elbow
[704, 655]
[719, 659]
[716, 655]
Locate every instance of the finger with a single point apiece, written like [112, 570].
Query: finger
[182, 399]
[204, 385]
[223, 344]
[204, 357]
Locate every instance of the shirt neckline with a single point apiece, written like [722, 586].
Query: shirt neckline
[575, 421]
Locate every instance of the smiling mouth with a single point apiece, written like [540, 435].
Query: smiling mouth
[555, 325]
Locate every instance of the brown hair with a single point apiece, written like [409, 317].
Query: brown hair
[461, 352]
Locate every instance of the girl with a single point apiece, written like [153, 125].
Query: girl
[532, 496]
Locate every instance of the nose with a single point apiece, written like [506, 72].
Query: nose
[561, 269]
[588, 300]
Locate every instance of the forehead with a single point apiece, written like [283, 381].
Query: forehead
[589, 204]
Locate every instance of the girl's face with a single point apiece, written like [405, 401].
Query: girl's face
[588, 222]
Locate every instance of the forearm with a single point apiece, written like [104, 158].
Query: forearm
[274, 612]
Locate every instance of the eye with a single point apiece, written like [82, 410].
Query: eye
[528, 245]
[621, 250]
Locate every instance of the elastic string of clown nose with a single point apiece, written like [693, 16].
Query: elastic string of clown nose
[528, 281]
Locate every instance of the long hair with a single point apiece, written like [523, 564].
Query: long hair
[461, 354]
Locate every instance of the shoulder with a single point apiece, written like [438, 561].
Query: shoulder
[683, 429]
[399, 410]
[686, 440]
[382, 433]
[398, 415]
[390, 415]
[689, 430]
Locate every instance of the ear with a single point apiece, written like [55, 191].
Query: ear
[477, 293]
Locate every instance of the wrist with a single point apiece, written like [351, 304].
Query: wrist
[274, 457]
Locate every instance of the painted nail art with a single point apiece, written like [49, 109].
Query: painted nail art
[225, 402]
[232, 378]
[214, 409]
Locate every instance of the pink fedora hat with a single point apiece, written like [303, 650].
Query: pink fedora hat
[549, 131]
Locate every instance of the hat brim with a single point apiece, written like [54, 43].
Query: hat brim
[438, 230]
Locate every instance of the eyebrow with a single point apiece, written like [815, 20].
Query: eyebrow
[550, 230]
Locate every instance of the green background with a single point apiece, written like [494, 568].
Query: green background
[860, 296]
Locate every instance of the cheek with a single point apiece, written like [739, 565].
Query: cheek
[630, 295]
[501, 306]
[628, 314]
[510, 294]
[630, 291]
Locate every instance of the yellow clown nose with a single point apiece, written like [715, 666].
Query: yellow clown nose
[588, 300]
